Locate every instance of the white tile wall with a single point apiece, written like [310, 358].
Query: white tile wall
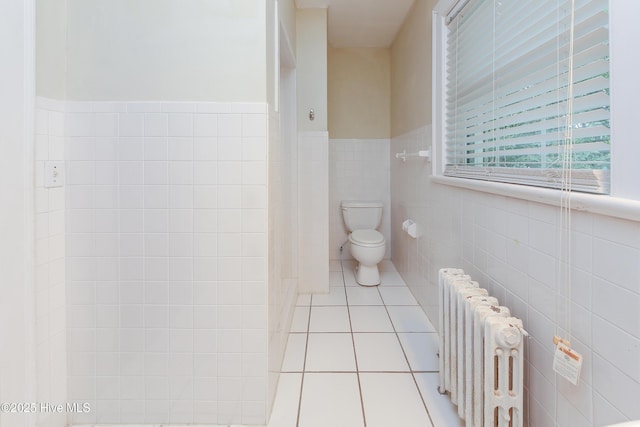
[50, 277]
[313, 184]
[510, 247]
[283, 231]
[358, 170]
[167, 261]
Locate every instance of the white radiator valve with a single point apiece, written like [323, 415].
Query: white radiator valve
[509, 337]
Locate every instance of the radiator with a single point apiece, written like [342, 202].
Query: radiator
[481, 353]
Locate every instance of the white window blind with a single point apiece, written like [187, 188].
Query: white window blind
[509, 80]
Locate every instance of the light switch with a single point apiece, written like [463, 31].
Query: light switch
[53, 173]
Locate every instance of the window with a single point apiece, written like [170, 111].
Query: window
[527, 92]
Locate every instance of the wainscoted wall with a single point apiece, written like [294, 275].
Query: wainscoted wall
[282, 240]
[358, 170]
[167, 261]
[510, 246]
[313, 192]
[50, 278]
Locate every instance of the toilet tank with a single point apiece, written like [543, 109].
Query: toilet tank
[361, 214]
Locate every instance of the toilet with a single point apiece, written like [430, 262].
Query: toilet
[368, 245]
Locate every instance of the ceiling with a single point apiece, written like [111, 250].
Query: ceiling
[362, 23]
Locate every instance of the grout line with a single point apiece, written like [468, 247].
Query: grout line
[355, 355]
[193, 250]
[424, 403]
[411, 371]
[304, 362]
[357, 369]
[118, 209]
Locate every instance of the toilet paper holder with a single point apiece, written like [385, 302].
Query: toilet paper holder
[410, 227]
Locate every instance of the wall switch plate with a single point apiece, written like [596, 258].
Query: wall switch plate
[53, 173]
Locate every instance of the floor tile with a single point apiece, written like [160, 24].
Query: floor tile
[335, 265]
[349, 278]
[349, 264]
[397, 295]
[379, 352]
[300, 319]
[285, 405]
[330, 400]
[421, 350]
[443, 413]
[370, 319]
[336, 296]
[335, 278]
[329, 319]
[322, 345]
[330, 352]
[392, 400]
[409, 319]
[303, 300]
[294, 353]
[363, 296]
[386, 265]
[391, 278]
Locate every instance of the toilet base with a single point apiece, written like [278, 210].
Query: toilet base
[367, 275]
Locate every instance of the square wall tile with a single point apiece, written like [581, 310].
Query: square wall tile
[230, 125]
[180, 124]
[206, 125]
[130, 148]
[254, 149]
[156, 148]
[205, 148]
[156, 124]
[229, 148]
[130, 124]
[254, 125]
[180, 149]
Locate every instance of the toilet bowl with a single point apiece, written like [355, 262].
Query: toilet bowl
[362, 217]
[368, 248]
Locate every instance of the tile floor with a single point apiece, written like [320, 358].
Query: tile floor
[361, 356]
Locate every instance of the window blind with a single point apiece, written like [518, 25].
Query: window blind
[509, 75]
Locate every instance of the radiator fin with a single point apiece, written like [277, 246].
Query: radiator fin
[481, 353]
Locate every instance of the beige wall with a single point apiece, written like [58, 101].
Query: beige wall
[287, 9]
[171, 50]
[272, 56]
[411, 71]
[51, 48]
[311, 68]
[359, 92]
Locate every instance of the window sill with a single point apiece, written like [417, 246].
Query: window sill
[594, 203]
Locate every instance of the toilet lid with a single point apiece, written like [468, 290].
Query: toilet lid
[367, 237]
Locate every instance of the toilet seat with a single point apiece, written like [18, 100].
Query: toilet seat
[367, 238]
